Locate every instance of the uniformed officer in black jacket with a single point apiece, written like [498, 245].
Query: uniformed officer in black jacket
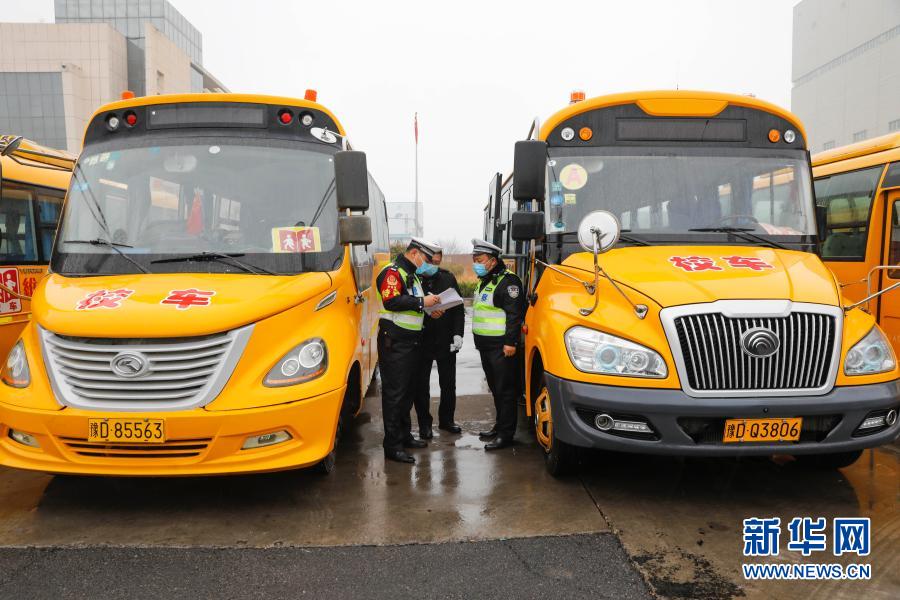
[497, 315]
[400, 325]
[442, 339]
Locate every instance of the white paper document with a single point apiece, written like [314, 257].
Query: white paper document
[449, 299]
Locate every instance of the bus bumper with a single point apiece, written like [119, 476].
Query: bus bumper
[199, 441]
[688, 426]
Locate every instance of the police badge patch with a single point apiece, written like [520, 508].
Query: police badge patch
[513, 291]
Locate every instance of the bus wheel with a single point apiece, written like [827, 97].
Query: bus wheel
[326, 465]
[836, 460]
[559, 457]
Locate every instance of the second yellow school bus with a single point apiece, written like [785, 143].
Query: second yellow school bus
[209, 308]
[858, 185]
[676, 305]
[33, 183]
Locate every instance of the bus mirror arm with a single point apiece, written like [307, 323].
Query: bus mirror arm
[640, 310]
[870, 295]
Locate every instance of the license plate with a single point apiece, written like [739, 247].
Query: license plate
[132, 431]
[762, 430]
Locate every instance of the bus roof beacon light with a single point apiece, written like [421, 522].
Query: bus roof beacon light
[311, 95]
[127, 95]
[576, 96]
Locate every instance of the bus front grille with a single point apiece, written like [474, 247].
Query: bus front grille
[172, 449]
[714, 358]
[141, 374]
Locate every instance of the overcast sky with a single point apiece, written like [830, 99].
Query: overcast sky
[476, 72]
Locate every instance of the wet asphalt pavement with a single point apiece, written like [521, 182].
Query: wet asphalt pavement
[461, 523]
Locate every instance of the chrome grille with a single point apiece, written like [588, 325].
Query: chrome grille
[710, 345]
[180, 373]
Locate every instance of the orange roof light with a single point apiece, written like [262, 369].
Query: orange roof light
[127, 95]
[576, 96]
[311, 95]
[585, 133]
[774, 135]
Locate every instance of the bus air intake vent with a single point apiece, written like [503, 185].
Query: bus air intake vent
[141, 374]
[718, 355]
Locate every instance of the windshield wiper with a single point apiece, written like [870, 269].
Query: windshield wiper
[222, 257]
[115, 246]
[633, 240]
[741, 232]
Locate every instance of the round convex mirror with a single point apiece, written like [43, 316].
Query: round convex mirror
[605, 225]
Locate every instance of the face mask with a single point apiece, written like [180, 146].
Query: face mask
[479, 269]
[427, 269]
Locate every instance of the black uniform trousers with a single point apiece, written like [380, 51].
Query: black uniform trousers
[501, 373]
[446, 364]
[398, 362]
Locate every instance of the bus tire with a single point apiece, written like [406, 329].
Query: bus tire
[560, 458]
[835, 460]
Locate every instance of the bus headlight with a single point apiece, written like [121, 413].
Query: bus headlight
[594, 352]
[15, 370]
[872, 354]
[303, 363]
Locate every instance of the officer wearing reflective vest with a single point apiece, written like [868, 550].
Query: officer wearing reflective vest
[498, 312]
[403, 303]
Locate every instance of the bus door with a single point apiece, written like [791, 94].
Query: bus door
[888, 309]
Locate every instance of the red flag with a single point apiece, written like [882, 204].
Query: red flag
[195, 219]
[416, 127]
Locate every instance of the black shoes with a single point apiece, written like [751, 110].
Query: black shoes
[488, 434]
[426, 434]
[498, 443]
[398, 456]
[414, 443]
[450, 427]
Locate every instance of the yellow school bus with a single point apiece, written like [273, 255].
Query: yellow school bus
[859, 187]
[209, 306]
[33, 182]
[676, 303]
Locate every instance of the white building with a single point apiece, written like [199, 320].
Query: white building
[54, 75]
[846, 69]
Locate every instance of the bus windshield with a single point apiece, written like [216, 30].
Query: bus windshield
[152, 209]
[677, 195]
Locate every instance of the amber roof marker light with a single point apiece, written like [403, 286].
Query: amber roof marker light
[585, 133]
[774, 135]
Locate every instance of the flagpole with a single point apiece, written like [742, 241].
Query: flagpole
[416, 122]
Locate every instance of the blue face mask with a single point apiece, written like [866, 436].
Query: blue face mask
[427, 269]
[479, 269]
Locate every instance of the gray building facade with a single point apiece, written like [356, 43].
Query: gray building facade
[54, 75]
[846, 70]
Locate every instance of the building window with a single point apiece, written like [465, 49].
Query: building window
[828, 145]
[894, 125]
[860, 135]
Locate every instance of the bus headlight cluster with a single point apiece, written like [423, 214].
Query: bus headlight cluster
[15, 370]
[592, 351]
[872, 354]
[303, 363]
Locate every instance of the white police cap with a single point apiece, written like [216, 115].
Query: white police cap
[427, 247]
[485, 247]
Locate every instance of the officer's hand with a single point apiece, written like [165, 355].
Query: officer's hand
[431, 300]
[436, 314]
[456, 346]
[509, 351]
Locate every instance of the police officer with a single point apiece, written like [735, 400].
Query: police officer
[440, 343]
[498, 312]
[400, 325]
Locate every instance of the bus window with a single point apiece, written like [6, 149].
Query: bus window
[848, 197]
[17, 235]
[894, 258]
[49, 204]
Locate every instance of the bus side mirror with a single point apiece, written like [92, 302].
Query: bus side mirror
[351, 180]
[527, 226]
[821, 222]
[530, 171]
[355, 229]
